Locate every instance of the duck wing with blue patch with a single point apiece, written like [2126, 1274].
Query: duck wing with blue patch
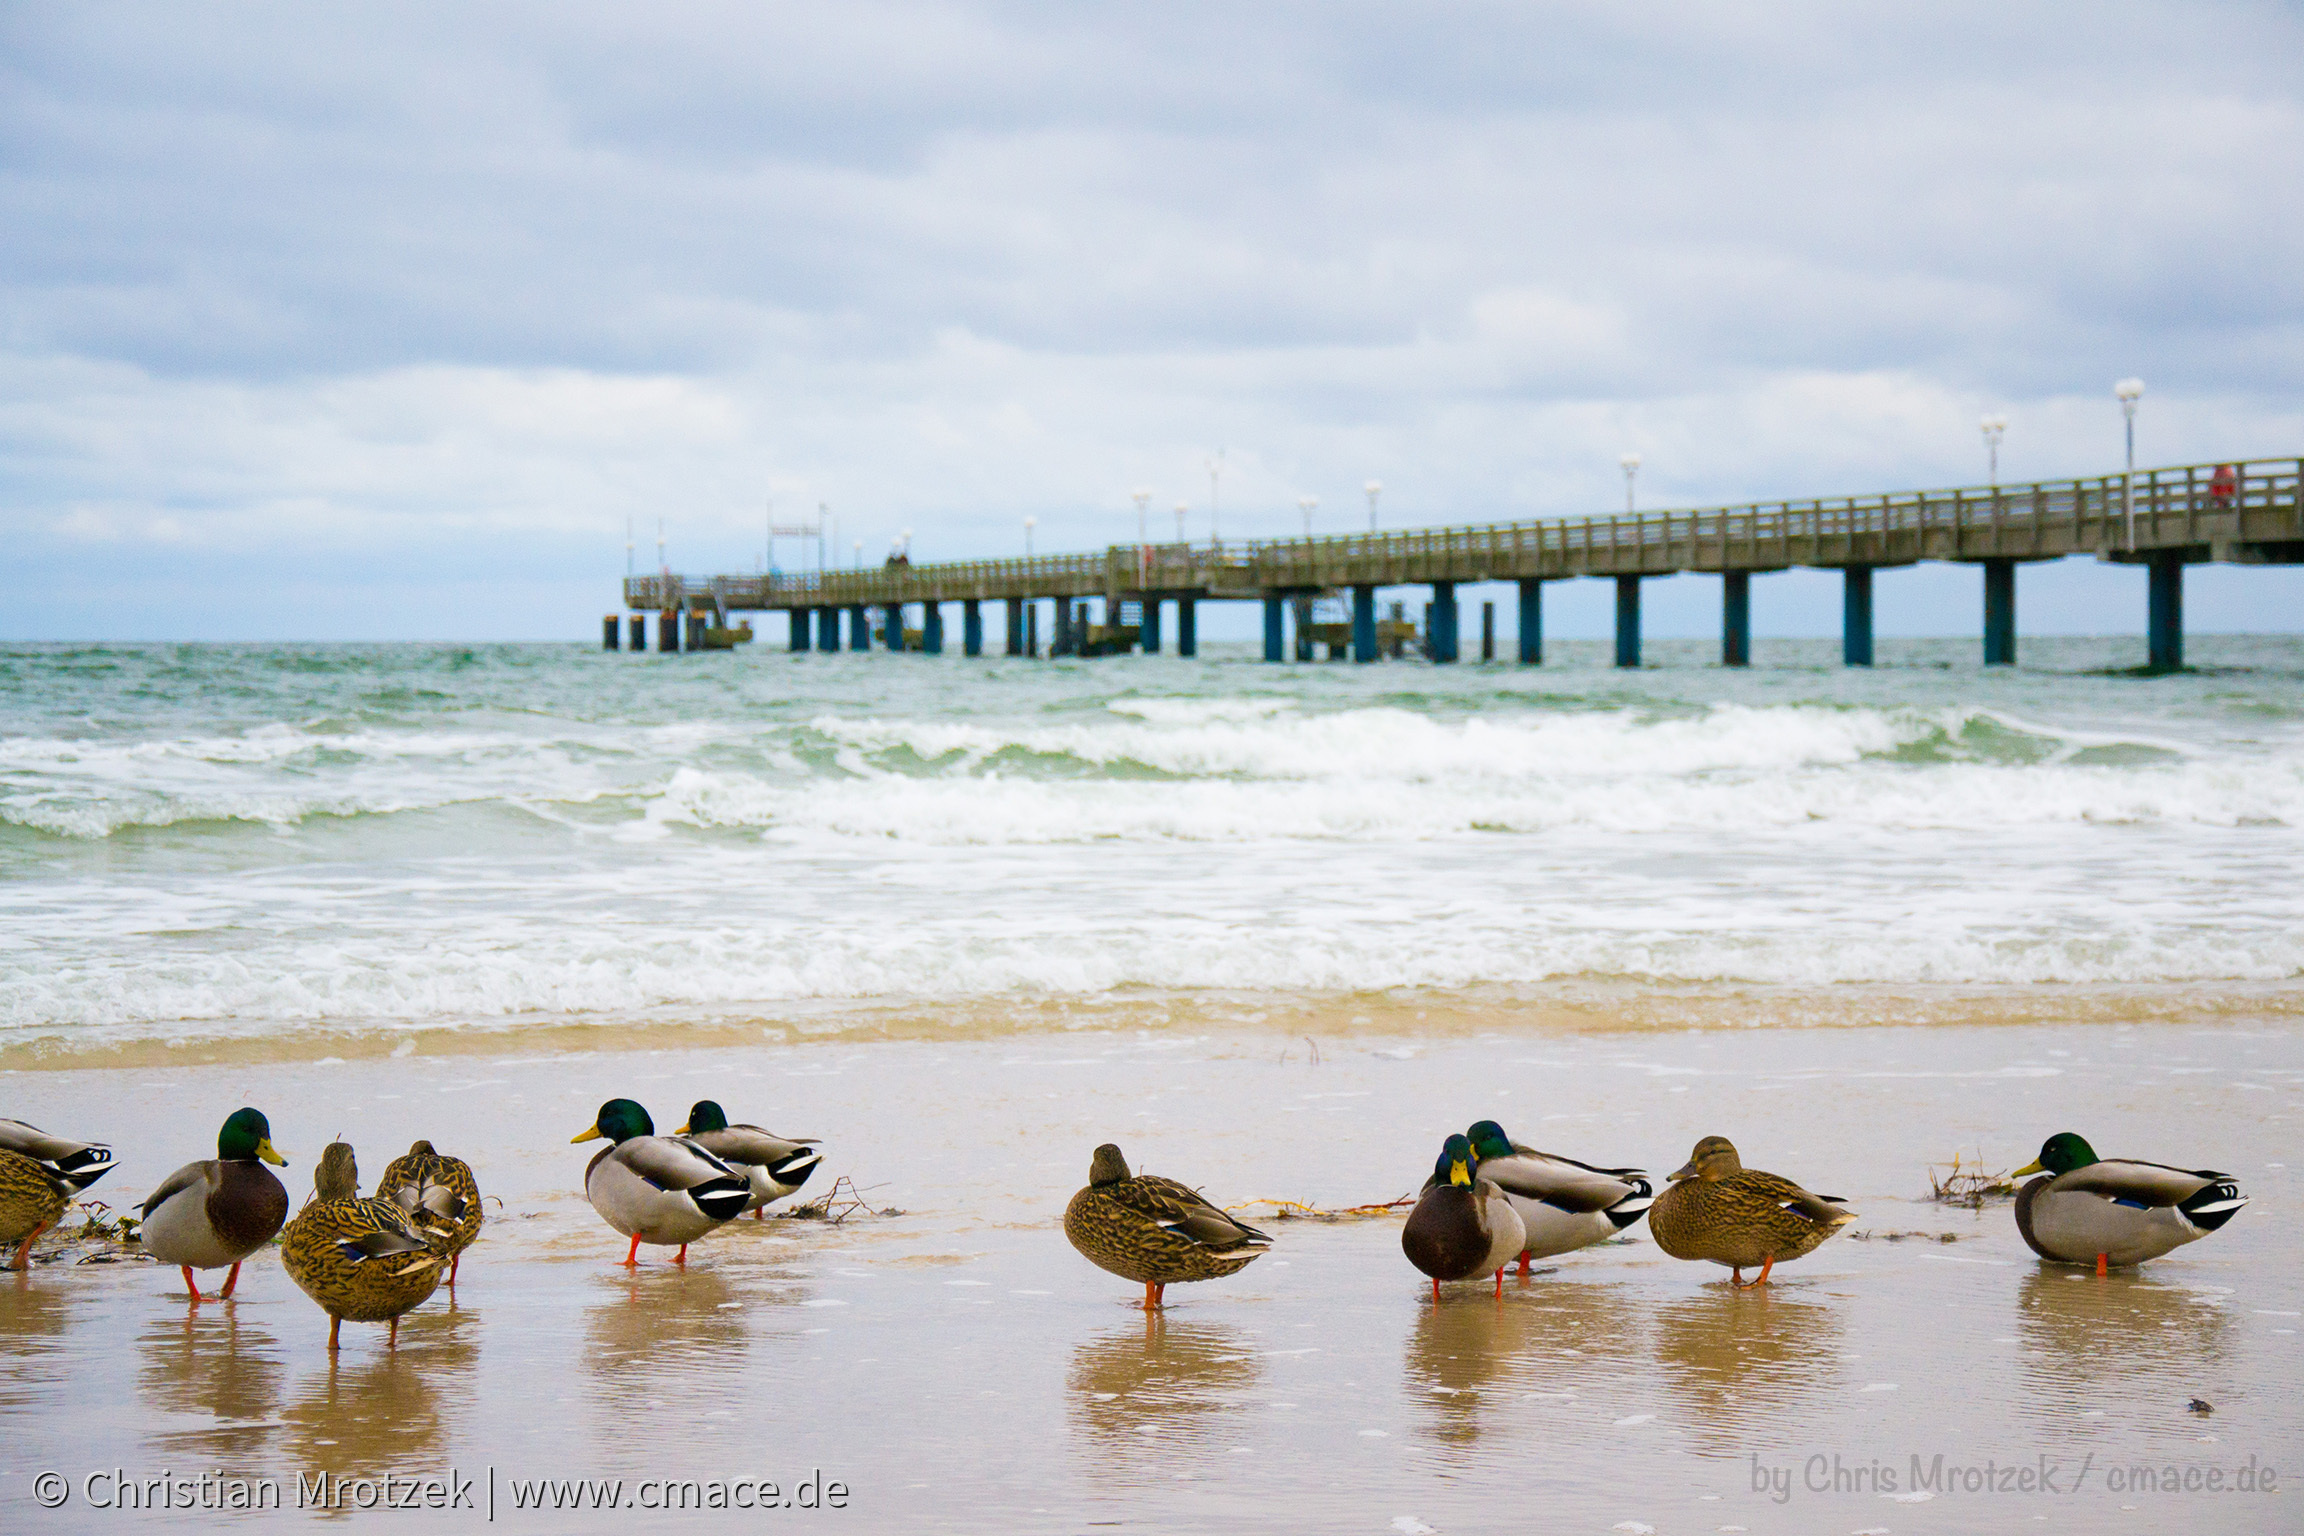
[1184, 1211]
[2147, 1186]
[1824, 1210]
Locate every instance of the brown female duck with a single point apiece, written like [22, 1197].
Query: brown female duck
[1717, 1209]
[1154, 1231]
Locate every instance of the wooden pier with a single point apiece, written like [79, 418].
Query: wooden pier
[2242, 512]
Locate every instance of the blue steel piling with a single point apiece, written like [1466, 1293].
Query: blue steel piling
[1531, 623]
[2165, 614]
[1856, 616]
[1440, 630]
[859, 628]
[1148, 626]
[1999, 613]
[1736, 619]
[971, 628]
[1274, 637]
[1627, 621]
[1187, 627]
[1363, 623]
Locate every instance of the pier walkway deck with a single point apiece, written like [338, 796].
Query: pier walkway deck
[2248, 512]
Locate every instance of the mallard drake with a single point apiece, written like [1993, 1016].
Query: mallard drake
[210, 1214]
[1718, 1209]
[1463, 1225]
[775, 1165]
[1564, 1204]
[78, 1163]
[1154, 1231]
[657, 1189]
[32, 1197]
[2086, 1208]
[359, 1259]
[439, 1195]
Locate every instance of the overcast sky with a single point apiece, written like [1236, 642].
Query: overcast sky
[382, 321]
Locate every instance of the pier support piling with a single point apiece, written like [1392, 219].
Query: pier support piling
[1736, 619]
[1856, 616]
[1440, 629]
[932, 628]
[1487, 631]
[859, 627]
[1148, 626]
[2165, 614]
[1015, 606]
[1627, 621]
[1032, 629]
[1274, 636]
[1363, 623]
[799, 620]
[828, 629]
[636, 633]
[1300, 613]
[892, 626]
[1187, 626]
[971, 628]
[668, 630]
[1999, 613]
[1531, 623]
[609, 639]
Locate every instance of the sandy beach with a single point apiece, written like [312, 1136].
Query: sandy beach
[946, 1358]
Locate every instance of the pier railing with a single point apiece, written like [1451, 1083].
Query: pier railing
[2246, 511]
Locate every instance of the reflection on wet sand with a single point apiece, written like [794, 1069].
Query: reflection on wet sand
[214, 1364]
[659, 1331]
[1469, 1355]
[366, 1411]
[36, 1316]
[2079, 1333]
[1741, 1361]
[1156, 1391]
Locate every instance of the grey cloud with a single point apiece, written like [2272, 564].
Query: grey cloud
[332, 273]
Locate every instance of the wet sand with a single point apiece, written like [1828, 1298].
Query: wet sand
[958, 1367]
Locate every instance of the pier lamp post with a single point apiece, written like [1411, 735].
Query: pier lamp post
[1995, 427]
[1215, 472]
[2128, 392]
[1631, 463]
[1374, 488]
[1030, 523]
[1143, 499]
[1182, 507]
[1305, 504]
[857, 555]
[661, 568]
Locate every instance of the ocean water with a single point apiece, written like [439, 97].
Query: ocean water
[349, 846]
